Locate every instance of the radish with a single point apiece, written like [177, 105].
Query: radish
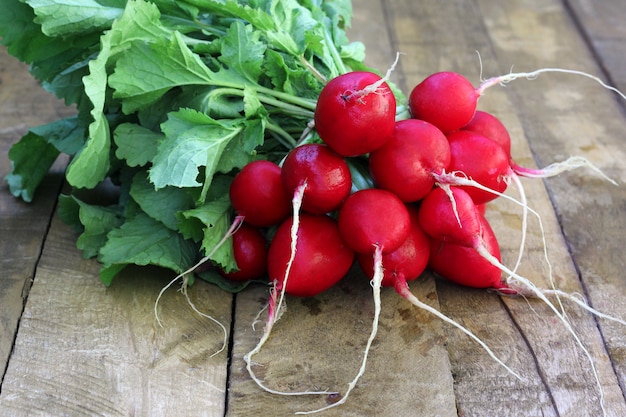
[374, 219]
[489, 126]
[451, 216]
[355, 113]
[257, 194]
[463, 265]
[355, 223]
[408, 261]
[321, 260]
[482, 160]
[405, 164]
[406, 264]
[310, 245]
[327, 176]
[445, 99]
[250, 252]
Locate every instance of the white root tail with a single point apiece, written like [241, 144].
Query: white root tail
[512, 76]
[184, 275]
[403, 289]
[376, 282]
[526, 286]
[275, 303]
[557, 168]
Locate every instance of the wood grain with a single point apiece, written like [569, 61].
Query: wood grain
[23, 103]
[84, 349]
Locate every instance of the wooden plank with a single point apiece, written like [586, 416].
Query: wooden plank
[23, 103]
[603, 24]
[84, 349]
[575, 116]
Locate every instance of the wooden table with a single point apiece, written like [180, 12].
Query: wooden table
[71, 347]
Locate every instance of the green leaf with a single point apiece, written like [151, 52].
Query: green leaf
[288, 75]
[226, 284]
[68, 212]
[144, 241]
[97, 222]
[147, 71]
[31, 159]
[140, 21]
[162, 204]
[136, 144]
[253, 136]
[66, 135]
[242, 51]
[192, 140]
[215, 216]
[75, 16]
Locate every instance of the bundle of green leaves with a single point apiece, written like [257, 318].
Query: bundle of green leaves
[172, 99]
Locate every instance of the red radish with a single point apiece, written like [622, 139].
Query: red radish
[327, 176]
[482, 160]
[250, 252]
[355, 113]
[406, 163]
[463, 265]
[446, 99]
[408, 261]
[321, 260]
[489, 126]
[374, 218]
[451, 217]
[257, 194]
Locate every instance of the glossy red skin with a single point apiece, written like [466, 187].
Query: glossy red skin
[489, 126]
[446, 99]
[372, 217]
[351, 124]
[480, 159]
[326, 173]
[405, 164]
[250, 251]
[464, 265]
[322, 257]
[408, 261]
[438, 219]
[257, 193]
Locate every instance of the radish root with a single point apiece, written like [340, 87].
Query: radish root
[557, 168]
[372, 88]
[275, 303]
[402, 288]
[185, 284]
[507, 78]
[376, 286]
[530, 288]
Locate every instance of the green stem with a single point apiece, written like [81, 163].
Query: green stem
[286, 107]
[313, 70]
[334, 53]
[281, 135]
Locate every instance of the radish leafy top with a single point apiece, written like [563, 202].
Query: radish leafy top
[172, 99]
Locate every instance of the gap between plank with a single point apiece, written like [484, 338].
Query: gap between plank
[28, 283]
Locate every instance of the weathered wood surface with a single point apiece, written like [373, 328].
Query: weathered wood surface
[81, 349]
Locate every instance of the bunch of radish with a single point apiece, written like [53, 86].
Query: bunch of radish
[305, 223]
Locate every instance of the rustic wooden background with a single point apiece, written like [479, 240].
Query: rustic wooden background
[71, 347]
